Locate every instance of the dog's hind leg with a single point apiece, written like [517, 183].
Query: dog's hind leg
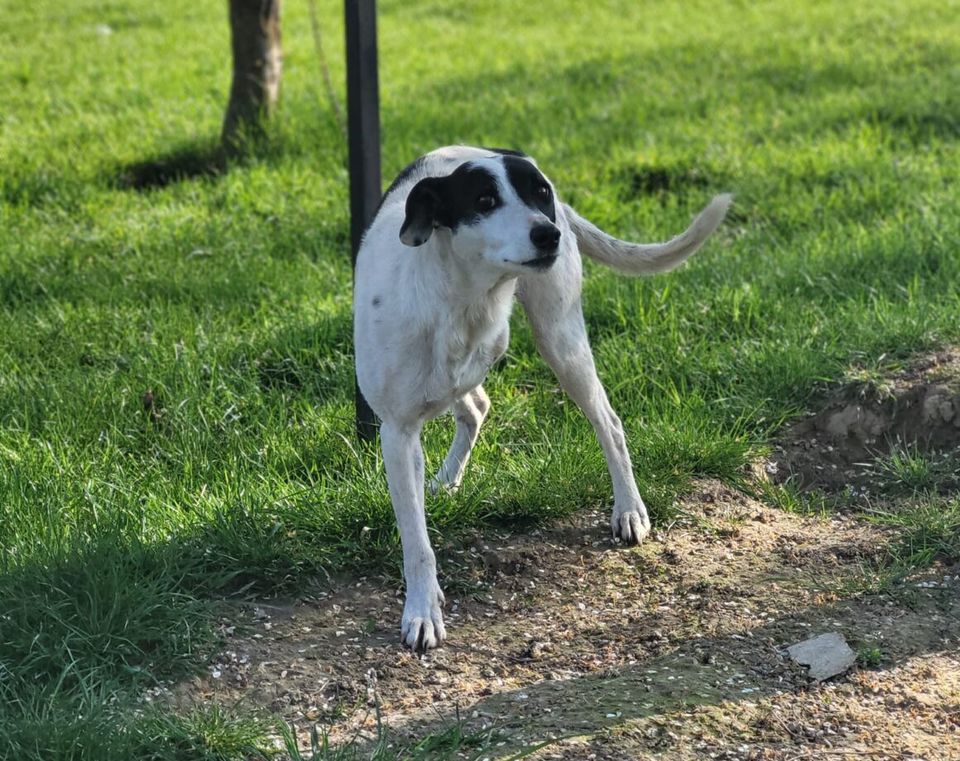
[552, 303]
[470, 410]
[422, 624]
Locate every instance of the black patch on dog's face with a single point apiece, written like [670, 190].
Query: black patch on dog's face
[470, 193]
[530, 185]
[462, 197]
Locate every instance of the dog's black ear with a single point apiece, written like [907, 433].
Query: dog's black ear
[424, 206]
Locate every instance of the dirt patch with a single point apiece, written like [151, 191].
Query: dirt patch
[872, 714]
[885, 432]
[673, 649]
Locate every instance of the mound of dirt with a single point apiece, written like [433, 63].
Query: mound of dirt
[880, 434]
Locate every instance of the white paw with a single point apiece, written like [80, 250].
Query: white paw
[437, 485]
[443, 482]
[630, 526]
[421, 628]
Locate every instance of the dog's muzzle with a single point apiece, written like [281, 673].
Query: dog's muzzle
[541, 262]
[546, 239]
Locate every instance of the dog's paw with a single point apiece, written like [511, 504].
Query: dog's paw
[630, 526]
[437, 484]
[421, 628]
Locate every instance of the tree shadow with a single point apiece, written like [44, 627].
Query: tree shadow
[187, 161]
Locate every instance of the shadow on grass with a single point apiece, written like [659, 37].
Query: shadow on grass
[184, 162]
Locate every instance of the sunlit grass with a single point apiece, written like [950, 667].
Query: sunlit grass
[175, 345]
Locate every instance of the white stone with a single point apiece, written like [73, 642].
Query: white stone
[826, 655]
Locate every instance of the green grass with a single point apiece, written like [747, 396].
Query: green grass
[452, 741]
[929, 529]
[227, 296]
[908, 471]
[871, 657]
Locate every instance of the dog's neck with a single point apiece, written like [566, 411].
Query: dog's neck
[474, 300]
[470, 288]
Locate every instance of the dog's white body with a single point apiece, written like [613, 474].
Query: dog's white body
[435, 283]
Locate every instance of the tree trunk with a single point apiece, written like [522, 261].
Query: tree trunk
[255, 37]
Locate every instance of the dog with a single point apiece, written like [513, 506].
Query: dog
[458, 235]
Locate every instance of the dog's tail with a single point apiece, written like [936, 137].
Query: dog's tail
[647, 258]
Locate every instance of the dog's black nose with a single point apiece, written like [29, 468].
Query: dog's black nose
[546, 238]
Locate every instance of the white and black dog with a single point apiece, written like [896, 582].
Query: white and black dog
[460, 232]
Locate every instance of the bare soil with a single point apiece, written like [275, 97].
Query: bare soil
[669, 650]
[843, 446]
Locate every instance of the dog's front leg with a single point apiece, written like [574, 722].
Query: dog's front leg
[422, 624]
[565, 348]
[561, 337]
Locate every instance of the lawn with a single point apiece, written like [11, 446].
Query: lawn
[176, 378]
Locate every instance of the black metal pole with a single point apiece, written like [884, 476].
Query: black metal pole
[363, 132]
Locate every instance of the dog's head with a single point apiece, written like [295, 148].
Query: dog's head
[500, 209]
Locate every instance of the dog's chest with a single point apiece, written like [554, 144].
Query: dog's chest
[464, 358]
[468, 371]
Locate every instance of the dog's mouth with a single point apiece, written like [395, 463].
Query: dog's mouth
[541, 262]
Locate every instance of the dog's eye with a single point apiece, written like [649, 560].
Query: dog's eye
[543, 192]
[486, 202]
